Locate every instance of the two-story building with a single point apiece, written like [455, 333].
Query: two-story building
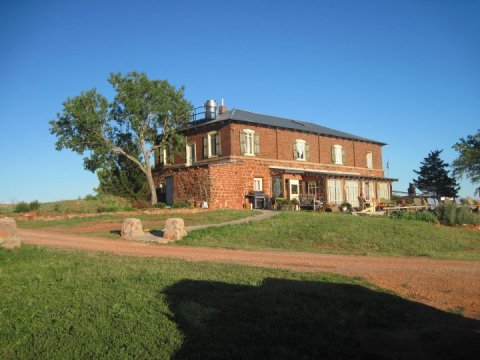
[231, 154]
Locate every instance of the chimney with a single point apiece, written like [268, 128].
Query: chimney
[210, 109]
[222, 109]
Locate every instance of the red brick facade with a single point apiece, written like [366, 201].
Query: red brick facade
[226, 179]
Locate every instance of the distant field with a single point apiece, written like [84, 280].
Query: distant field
[70, 304]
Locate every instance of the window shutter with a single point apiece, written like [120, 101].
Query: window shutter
[333, 155]
[242, 143]
[344, 157]
[256, 138]
[218, 149]
[307, 151]
[205, 147]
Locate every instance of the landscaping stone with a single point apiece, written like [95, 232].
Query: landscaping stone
[132, 228]
[9, 238]
[174, 229]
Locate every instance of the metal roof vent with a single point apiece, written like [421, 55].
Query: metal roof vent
[210, 109]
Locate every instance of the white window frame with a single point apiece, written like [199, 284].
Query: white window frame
[369, 160]
[257, 184]
[249, 136]
[368, 190]
[300, 145]
[334, 191]
[163, 156]
[338, 154]
[211, 135]
[312, 187]
[189, 160]
[383, 190]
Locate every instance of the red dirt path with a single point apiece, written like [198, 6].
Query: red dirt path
[444, 284]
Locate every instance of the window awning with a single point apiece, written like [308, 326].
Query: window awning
[291, 170]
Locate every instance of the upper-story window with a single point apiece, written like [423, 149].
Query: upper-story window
[211, 145]
[190, 154]
[301, 150]
[338, 155]
[369, 160]
[249, 142]
[164, 156]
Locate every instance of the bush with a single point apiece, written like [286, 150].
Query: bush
[160, 205]
[90, 197]
[418, 216]
[22, 207]
[140, 204]
[180, 205]
[34, 205]
[450, 214]
[281, 201]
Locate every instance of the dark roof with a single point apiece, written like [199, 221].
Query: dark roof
[274, 121]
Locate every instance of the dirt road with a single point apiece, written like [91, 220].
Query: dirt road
[444, 284]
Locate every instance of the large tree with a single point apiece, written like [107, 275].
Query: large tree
[434, 177]
[149, 111]
[468, 161]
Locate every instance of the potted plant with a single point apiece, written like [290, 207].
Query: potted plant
[283, 204]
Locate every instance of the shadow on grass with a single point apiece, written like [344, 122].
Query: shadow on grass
[287, 319]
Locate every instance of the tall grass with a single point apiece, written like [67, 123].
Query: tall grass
[450, 214]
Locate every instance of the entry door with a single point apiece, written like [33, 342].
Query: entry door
[294, 187]
[169, 190]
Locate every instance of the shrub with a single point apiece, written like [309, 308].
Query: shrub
[34, 205]
[90, 197]
[22, 207]
[160, 205]
[140, 204]
[281, 201]
[110, 203]
[450, 214]
[419, 216]
[181, 204]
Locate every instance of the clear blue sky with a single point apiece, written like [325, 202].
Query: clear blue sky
[403, 72]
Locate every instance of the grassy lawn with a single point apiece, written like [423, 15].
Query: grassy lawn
[343, 234]
[65, 304]
[151, 221]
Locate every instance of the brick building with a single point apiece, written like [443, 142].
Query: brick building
[232, 154]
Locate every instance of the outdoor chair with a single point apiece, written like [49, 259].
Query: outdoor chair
[417, 202]
[458, 202]
[432, 203]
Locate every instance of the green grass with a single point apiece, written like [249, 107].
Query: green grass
[200, 218]
[343, 234]
[65, 304]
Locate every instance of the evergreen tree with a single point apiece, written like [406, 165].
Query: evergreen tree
[434, 178]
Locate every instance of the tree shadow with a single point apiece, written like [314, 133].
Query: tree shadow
[289, 319]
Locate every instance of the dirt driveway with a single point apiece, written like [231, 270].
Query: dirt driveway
[452, 285]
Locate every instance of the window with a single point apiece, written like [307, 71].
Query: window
[191, 155]
[312, 188]
[211, 145]
[338, 155]
[301, 150]
[383, 190]
[257, 184]
[334, 188]
[249, 143]
[369, 160]
[164, 156]
[368, 191]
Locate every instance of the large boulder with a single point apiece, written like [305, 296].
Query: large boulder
[9, 237]
[132, 228]
[174, 229]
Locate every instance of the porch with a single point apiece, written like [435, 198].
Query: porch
[315, 189]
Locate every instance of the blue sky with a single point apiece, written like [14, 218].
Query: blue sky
[403, 72]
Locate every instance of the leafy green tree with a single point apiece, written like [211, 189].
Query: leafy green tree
[434, 178]
[468, 161]
[150, 111]
[121, 177]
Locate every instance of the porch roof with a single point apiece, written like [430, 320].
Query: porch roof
[356, 175]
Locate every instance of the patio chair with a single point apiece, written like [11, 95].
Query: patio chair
[417, 202]
[432, 203]
[458, 202]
